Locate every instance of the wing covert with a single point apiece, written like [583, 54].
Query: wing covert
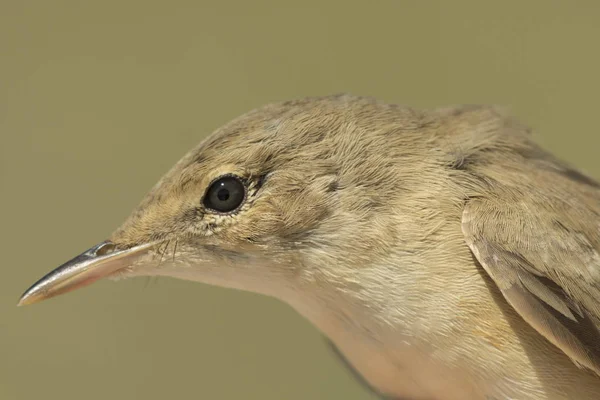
[544, 258]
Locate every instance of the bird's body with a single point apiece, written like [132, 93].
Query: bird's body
[444, 253]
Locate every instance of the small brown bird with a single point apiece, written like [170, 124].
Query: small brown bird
[442, 252]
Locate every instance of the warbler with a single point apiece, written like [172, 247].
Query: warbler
[444, 253]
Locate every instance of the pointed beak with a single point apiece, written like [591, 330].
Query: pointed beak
[95, 263]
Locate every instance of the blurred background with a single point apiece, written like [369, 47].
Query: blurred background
[98, 99]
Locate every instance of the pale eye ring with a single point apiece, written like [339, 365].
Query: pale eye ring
[225, 195]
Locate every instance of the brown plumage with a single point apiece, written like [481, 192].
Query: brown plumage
[444, 253]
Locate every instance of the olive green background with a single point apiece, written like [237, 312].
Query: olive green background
[98, 99]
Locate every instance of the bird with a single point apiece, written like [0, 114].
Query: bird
[443, 252]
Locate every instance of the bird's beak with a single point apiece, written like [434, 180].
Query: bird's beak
[96, 263]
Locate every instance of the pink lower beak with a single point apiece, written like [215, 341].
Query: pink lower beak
[95, 263]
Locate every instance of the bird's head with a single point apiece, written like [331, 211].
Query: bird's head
[287, 194]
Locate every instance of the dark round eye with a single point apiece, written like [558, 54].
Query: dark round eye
[225, 194]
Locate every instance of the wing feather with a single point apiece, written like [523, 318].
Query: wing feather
[543, 256]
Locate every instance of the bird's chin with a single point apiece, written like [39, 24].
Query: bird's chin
[143, 268]
[211, 266]
[257, 278]
[121, 275]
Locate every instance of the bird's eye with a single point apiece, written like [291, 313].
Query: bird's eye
[225, 194]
